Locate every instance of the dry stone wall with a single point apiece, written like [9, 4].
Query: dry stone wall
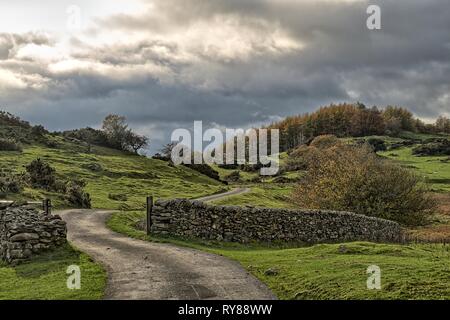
[196, 219]
[26, 231]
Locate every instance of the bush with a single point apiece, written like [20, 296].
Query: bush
[232, 166]
[41, 174]
[377, 144]
[9, 183]
[76, 196]
[88, 135]
[300, 157]
[9, 145]
[205, 169]
[51, 144]
[325, 141]
[353, 178]
[60, 186]
[437, 148]
[234, 176]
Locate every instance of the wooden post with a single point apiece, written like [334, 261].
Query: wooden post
[47, 204]
[149, 213]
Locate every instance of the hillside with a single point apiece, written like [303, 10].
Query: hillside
[128, 178]
[107, 172]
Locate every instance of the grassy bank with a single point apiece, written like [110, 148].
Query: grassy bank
[45, 278]
[435, 169]
[120, 173]
[263, 195]
[328, 271]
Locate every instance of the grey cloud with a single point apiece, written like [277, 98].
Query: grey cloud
[406, 63]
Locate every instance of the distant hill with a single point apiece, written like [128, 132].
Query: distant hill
[353, 120]
[115, 179]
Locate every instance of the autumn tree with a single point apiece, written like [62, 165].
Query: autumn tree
[400, 115]
[443, 124]
[353, 178]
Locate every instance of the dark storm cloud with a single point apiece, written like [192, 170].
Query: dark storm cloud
[236, 64]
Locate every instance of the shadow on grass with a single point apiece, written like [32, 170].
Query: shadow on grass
[49, 262]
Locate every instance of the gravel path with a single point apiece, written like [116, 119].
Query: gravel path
[145, 270]
[218, 196]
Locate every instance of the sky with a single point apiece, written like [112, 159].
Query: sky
[229, 63]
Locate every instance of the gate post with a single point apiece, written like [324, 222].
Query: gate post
[149, 213]
[47, 205]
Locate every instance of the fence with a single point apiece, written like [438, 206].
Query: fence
[46, 204]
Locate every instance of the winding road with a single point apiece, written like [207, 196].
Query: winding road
[146, 271]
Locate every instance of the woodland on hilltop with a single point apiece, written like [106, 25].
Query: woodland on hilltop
[353, 120]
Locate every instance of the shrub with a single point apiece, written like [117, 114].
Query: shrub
[41, 174]
[38, 131]
[325, 141]
[59, 186]
[51, 144]
[9, 183]
[205, 169]
[353, 178]
[300, 157]
[296, 160]
[159, 156]
[377, 144]
[437, 148]
[88, 135]
[76, 196]
[232, 166]
[9, 145]
[234, 176]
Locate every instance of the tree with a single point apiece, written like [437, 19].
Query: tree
[166, 151]
[443, 124]
[119, 136]
[393, 126]
[404, 116]
[135, 141]
[116, 130]
[366, 122]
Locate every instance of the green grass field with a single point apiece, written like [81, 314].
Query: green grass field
[262, 195]
[323, 271]
[45, 278]
[123, 173]
[316, 272]
[326, 271]
[435, 170]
